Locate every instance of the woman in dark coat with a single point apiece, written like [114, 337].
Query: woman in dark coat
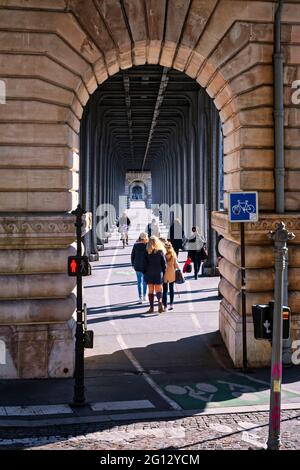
[154, 270]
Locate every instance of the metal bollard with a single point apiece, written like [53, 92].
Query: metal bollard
[280, 237]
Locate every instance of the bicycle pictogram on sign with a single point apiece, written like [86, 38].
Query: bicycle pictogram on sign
[243, 207]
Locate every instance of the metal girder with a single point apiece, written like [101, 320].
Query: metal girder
[126, 84]
[159, 100]
[142, 110]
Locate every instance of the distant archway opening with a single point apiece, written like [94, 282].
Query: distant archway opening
[137, 192]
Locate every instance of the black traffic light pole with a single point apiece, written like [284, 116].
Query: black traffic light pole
[79, 395]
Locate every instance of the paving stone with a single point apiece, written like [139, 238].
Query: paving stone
[196, 433]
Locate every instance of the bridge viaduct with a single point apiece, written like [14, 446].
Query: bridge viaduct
[183, 88]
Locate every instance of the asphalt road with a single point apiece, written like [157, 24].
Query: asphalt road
[170, 362]
[159, 381]
[176, 359]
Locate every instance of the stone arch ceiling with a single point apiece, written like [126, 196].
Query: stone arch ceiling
[193, 36]
[72, 46]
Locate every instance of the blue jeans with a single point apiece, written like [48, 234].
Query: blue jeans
[141, 283]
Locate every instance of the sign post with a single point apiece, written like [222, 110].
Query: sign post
[243, 287]
[243, 207]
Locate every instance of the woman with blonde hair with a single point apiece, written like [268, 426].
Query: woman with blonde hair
[154, 270]
[170, 275]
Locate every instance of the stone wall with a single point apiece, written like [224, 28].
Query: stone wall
[54, 54]
[260, 275]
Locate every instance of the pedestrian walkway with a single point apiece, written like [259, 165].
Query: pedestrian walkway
[238, 431]
[139, 217]
[169, 364]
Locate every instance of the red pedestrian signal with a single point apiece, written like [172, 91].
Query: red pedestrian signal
[78, 265]
[73, 266]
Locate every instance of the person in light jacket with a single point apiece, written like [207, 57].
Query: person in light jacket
[137, 261]
[170, 275]
[195, 244]
[123, 225]
[153, 229]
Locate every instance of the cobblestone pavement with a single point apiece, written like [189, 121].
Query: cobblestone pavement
[228, 431]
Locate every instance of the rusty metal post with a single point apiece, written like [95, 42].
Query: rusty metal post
[280, 237]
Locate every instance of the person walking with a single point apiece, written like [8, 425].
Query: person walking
[153, 229]
[176, 235]
[124, 234]
[170, 275]
[195, 245]
[154, 270]
[137, 260]
[123, 225]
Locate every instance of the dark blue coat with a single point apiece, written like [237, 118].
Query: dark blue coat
[138, 256]
[176, 236]
[155, 267]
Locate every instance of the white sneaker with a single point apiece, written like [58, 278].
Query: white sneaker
[144, 298]
[171, 307]
[140, 300]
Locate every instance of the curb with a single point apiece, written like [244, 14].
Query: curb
[137, 416]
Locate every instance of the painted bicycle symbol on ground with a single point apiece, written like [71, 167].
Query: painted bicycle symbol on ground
[244, 206]
[199, 391]
[218, 393]
[223, 393]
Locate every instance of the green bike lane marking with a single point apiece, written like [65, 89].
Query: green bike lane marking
[230, 392]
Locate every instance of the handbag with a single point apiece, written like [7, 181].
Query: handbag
[179, 279]
[187, 268]
[203, 253]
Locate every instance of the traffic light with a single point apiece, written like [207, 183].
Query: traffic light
[286, 322]
[263, 321]
[78, 265]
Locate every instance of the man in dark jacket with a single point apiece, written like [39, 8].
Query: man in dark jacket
[138, 263]
[176, 235]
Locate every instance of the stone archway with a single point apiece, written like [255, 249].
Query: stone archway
[54, 55]
[137, 191]
[142, 180]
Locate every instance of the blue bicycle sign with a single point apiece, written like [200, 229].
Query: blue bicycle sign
[243, 207]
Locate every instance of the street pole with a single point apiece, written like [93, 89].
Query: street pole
[287, 343]
[280, 237]
[243, 288]
[79, 390]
